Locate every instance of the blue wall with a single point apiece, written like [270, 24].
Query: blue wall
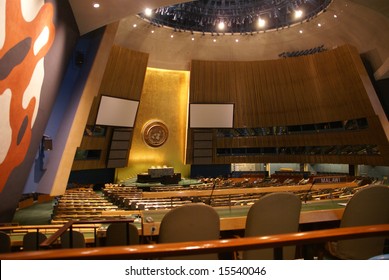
[71, 89]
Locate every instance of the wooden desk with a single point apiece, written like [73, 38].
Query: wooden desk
[231, 219]
[234, 218]
[259, 190]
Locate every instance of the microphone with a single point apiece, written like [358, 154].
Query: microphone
[309, 191]
[209, 200]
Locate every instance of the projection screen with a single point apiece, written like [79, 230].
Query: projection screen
[117, 112]
[211, 115]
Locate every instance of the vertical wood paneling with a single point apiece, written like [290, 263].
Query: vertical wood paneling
[325, 87]
[124, 74]
[123, 78]
[309, 89]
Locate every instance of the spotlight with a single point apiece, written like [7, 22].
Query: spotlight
[298, 13]
[221, 25]
[261, 22]
[148, 12]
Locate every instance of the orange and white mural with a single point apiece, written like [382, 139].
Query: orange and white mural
[27, 33]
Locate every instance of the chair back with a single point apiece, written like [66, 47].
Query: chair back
[274, 213]
[368, 206]
[121, 234]
[190, 222]
[31, 240]
[5, 242]
[78, 240]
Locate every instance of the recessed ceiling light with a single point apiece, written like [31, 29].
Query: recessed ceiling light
[214, 40]
[221, 25]
[171, 36]
[298, 13]
[192, 38]
[237, 40]
[134, 25]
[152, 31]
[148, 12]
[96, 5]
[319, 25]
[300, 31]
[261, 22]
[335, 16]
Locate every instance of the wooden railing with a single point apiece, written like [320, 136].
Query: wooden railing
[202, 247]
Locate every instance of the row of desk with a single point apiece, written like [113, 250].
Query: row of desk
[231, 219]
[234, 218]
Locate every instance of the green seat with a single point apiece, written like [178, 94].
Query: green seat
[120, 234]
[368, 206]
[5, 242]
[274, 213]
[190, 222]
[31, 240]
[78, 240]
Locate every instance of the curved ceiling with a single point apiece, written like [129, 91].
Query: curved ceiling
[234, 16]
[361, 23]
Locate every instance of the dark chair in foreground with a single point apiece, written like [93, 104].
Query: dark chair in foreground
[190, 222]
[78, 240]
[120, 234]
[274, 213]
[5, 242]
[369, 206]
[31, 241]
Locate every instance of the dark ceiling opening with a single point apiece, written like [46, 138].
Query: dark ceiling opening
[235, 16]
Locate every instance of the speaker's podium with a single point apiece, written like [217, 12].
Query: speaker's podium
[163, 175]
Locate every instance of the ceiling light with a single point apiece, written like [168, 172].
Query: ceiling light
[301, 32]
[214, 40]
[96, 5]
[192, 38]
[237, 40]
[148, 12]
[134, 25]
[233, 16]
[261, 22]
[319, 25]
[298, 13]
[221, 25]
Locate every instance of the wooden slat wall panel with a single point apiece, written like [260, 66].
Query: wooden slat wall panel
[123, 78]
[309, 89]
[312, 89]
[124, 74]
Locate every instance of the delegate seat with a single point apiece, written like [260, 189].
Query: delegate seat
[120, 234]
[190, 222]
[274, 213]
[368, 206]
[78, 240]
[5, 242]
[31, 240]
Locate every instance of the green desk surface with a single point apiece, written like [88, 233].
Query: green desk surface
[238, 211]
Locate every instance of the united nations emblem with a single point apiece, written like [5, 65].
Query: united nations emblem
[155, 133]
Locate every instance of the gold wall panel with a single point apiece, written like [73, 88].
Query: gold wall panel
[164, 98]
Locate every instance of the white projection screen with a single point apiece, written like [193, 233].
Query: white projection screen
[211, 115]
[117, 112]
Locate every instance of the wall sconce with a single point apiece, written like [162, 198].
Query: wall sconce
[47, 143]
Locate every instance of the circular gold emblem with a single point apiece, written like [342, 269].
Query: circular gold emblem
[155, 133]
